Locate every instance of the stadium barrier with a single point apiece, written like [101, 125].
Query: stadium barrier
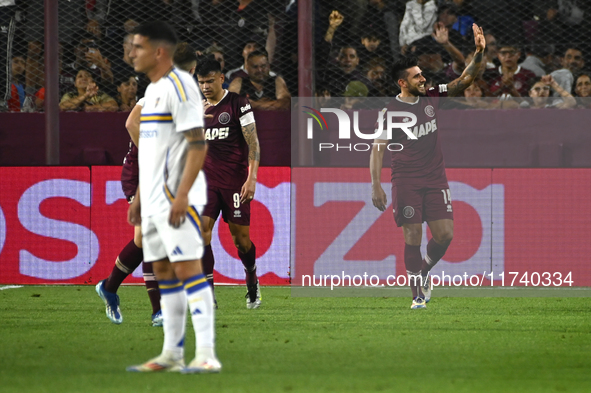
[520, 221]
[101, 138]
[66, 225]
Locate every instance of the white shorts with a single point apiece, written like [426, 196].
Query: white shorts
[160, 240]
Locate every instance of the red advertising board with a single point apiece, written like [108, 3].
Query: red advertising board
[505, 221]
[67, 225]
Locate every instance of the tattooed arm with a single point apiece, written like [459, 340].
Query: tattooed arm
[458, 86]
[254, 158]
[194, 162]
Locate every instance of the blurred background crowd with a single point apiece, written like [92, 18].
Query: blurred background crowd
[535, 57]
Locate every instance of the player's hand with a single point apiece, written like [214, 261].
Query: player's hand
[479, 40]
[178, 211]
[248, 190]
[134, 216]
[378, 197]
[206, 106]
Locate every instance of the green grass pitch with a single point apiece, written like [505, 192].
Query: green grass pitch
[58, 339]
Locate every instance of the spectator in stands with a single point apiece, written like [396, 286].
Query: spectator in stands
[583, 86]
[127, 89]
[249, 47]
[337, 77]
[447, 16]
[88, 56]
[354, 94]
[382, 21]
[371, 48]
[264, 91]
[564, 20]
[73, 19]
[17, 90]
[428, 54]
[572, 64]
[375, 71]
[465, 20]
[540, 93]
[510, 80]
[538, 59]
[87, 96]
[583, 91]
[476, 95]
[418, 21]
[491, 51]
[218, 53]
[253, 19]
[122, 67]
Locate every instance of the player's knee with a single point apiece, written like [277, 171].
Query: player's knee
[242, 242]
[206, 237]
[445, 237]
[413, 236]
[162, 271]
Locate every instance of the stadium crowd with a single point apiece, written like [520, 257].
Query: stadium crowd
[95, 42]
[535, 54]
[356, 42]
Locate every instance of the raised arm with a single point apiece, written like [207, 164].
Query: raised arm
[197, 148]
[456, 87]
[378, 196]
[249, 132]
[441, 35]
[568, 101]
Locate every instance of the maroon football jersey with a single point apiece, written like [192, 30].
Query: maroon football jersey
[522, 80]
[130, 171]
[420, 162]
[226, 163]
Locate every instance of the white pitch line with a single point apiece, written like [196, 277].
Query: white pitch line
[10, 287]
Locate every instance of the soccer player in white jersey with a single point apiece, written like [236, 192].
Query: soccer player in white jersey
[171, 193]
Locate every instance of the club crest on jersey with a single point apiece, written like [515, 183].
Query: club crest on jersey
[224, 118]
[408, 212]
[429, 111]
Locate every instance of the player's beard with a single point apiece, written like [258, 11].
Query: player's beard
[416, 92]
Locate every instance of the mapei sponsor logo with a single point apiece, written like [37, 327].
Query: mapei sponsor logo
[217, 133]
[245, 108]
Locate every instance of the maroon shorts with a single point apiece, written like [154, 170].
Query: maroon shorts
[228, 202]
[414, 204]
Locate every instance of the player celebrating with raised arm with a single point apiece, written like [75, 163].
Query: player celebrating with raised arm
[231, 167]
[171, 192]
[420, 191]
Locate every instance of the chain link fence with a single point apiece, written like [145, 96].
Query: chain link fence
[357, 41]
[95, 39]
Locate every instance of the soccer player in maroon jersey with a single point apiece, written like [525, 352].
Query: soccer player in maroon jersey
[231, 169]
[132, 255]
[420, 191]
